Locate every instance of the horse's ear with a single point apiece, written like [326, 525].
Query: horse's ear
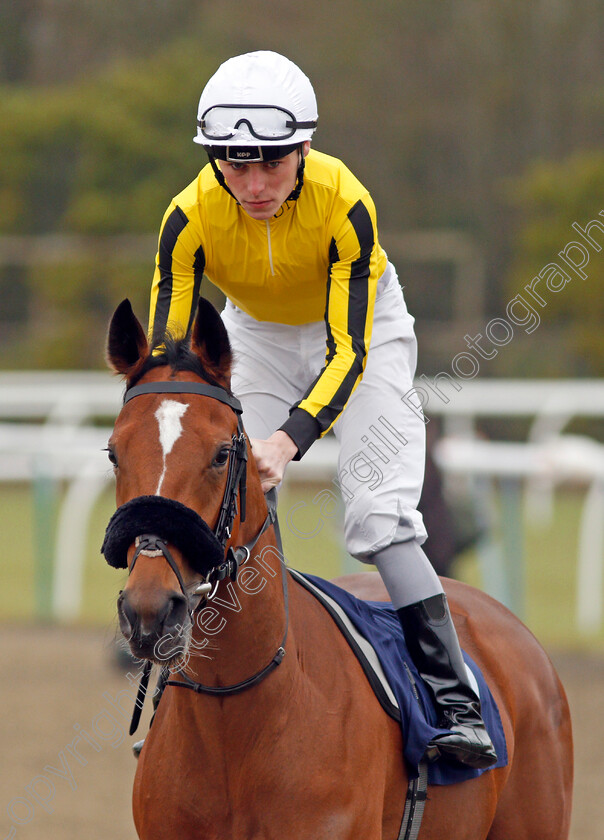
[127, 343]
[211, 342]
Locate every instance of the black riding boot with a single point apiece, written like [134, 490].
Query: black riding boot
[432, 642]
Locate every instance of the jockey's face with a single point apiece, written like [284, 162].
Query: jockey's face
[261, 188]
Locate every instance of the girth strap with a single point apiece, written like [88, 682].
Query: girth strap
[417, 793]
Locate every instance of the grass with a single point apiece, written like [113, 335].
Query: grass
[312, 535]
[548, 574]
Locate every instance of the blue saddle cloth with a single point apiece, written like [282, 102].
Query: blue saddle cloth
[378, 623]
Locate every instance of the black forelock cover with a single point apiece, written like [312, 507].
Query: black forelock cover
[166, 518]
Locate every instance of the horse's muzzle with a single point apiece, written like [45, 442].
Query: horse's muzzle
[156, 628]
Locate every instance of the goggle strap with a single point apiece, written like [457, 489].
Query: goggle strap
[303, 124]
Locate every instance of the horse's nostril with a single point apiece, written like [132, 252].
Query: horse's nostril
[127, 615]
[177, 611]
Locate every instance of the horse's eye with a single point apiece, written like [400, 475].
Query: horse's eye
[222, 457]
[111, 455]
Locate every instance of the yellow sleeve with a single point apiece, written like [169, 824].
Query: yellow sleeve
[179, 268]
[351, 290]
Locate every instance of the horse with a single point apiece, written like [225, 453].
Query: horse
[268, 727]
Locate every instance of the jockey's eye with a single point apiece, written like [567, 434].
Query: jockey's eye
[222, 457]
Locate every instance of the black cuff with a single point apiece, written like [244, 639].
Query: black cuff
[303, 429]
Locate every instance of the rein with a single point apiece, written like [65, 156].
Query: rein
[151, 545]
[237, 688]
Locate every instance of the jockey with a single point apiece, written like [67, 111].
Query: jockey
[321, 337]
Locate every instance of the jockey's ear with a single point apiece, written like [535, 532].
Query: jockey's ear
[211, 342]
[127, 343]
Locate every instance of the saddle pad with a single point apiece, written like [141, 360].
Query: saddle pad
[374, 633]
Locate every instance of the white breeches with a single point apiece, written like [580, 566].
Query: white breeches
[382, 440]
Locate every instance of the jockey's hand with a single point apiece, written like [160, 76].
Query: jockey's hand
[272, 456]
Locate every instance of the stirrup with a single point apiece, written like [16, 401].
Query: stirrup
[137, 747]
[469, 745]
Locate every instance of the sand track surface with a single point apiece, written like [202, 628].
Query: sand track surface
[67, 768]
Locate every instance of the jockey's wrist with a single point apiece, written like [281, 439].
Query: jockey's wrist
[286, 445]
[303, 429]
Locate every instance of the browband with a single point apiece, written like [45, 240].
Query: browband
[204, 390]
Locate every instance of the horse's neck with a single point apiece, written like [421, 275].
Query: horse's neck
[239, 631]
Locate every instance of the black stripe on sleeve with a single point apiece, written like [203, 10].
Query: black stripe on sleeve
[199, 265]
[359, 277]
[334, 256]
[329, 414]
[301, 426]
[358, 294]
[174, 226]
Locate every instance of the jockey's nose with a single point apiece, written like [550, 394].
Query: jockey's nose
[256, 180]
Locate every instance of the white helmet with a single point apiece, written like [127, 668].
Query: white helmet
[258, 106]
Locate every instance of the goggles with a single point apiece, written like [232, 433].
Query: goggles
[263, 122]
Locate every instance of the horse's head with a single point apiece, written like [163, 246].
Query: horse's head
[179, 456]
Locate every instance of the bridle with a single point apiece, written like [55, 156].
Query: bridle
[180, 524]
[235, 485]
[128, 524]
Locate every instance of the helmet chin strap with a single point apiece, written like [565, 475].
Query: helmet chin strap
[294, 194]
[218, 174]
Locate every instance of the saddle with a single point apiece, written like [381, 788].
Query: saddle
[374, 633]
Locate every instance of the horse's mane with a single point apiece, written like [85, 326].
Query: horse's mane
[175, 353]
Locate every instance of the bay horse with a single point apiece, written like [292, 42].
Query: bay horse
[282, 735]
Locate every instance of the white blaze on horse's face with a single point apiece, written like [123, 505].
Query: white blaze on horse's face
[168, 417]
